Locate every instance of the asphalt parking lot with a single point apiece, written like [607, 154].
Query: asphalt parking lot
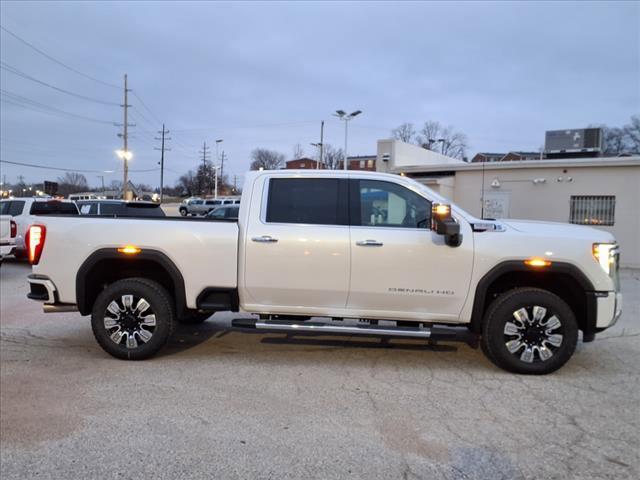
[221, 404]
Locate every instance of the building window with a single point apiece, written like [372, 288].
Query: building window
[592, 209]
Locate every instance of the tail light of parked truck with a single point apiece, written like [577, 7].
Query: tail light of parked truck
[34, 240]
[14, 229]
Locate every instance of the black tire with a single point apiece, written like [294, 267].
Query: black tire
[195, 318]
[183, 211]
[148, 338]
[537, 346]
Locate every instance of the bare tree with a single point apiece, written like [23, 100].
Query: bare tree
[619, 140]
[187, 184]
[451, 143]
[115, 185]
[614, 141]
[298, 152]
[405, 132]
[632, 130]
[72, 182]
[333, 157]
[266, 159]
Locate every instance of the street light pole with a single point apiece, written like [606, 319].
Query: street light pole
[215, 168]
[342, 115]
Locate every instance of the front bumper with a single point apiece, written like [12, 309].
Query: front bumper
[609, 309]
[42, 289]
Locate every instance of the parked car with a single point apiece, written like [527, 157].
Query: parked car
[339, 245]
[21, 209]
[203, 207]
[120, 208]
[192, 207]
[8, 232]
[225, 212]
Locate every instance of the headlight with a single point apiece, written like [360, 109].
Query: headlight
[604, 253]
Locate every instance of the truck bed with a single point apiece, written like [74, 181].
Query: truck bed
[205, 248]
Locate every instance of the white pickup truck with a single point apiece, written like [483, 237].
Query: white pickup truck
[379, 248]
[8, 232]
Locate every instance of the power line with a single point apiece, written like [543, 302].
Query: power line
[46, 167]
[15, 71]
[145, 106]
[17, 37]
[38, 106]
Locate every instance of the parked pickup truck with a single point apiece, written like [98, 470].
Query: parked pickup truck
[8, 232]
[379, 248]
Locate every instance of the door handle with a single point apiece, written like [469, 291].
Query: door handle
[369, 243]
[264, 239]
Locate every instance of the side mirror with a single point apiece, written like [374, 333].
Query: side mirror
[444, 224]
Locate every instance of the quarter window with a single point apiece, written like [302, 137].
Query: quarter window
[317, 201]
[386, 204]
[592, 209]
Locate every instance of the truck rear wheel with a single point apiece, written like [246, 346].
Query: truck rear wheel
[530, 331]
[132, 318]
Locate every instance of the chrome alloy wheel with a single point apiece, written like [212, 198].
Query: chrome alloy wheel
[534, 335]
[128, 324]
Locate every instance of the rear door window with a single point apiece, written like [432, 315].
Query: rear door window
[16, 208]
[315, 201]
[53, 208]
[110, 208]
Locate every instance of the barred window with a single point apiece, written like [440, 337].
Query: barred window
[592, 209]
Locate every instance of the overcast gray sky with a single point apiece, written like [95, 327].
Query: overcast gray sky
[265, 75]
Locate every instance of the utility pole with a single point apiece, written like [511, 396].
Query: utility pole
[222, 164]
[235, 177]
[321, 144]
[162, 149]
[101, 177]
[205, 156]
[125, 138]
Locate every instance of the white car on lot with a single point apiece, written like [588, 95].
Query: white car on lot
[8, 231]
[380, 248]
[21, 209]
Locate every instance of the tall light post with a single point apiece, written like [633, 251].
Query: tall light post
[215, 168]
[342, 115]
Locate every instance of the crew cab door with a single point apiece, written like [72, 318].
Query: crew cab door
[399, 266]
[297, 250]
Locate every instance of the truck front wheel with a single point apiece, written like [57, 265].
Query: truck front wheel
[132, 318]
[530, 331]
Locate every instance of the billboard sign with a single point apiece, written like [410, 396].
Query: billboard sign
[575, 140]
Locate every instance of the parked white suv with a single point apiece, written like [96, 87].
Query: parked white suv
[338, 245]
[21, 209]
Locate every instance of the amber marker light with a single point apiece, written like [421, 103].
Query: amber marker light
[537, 262]
[442, 210]
[129, 250]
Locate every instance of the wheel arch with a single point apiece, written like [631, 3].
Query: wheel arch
[107, 265]
[564, 279]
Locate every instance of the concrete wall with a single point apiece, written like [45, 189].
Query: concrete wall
[550, 200]
[402, 155]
